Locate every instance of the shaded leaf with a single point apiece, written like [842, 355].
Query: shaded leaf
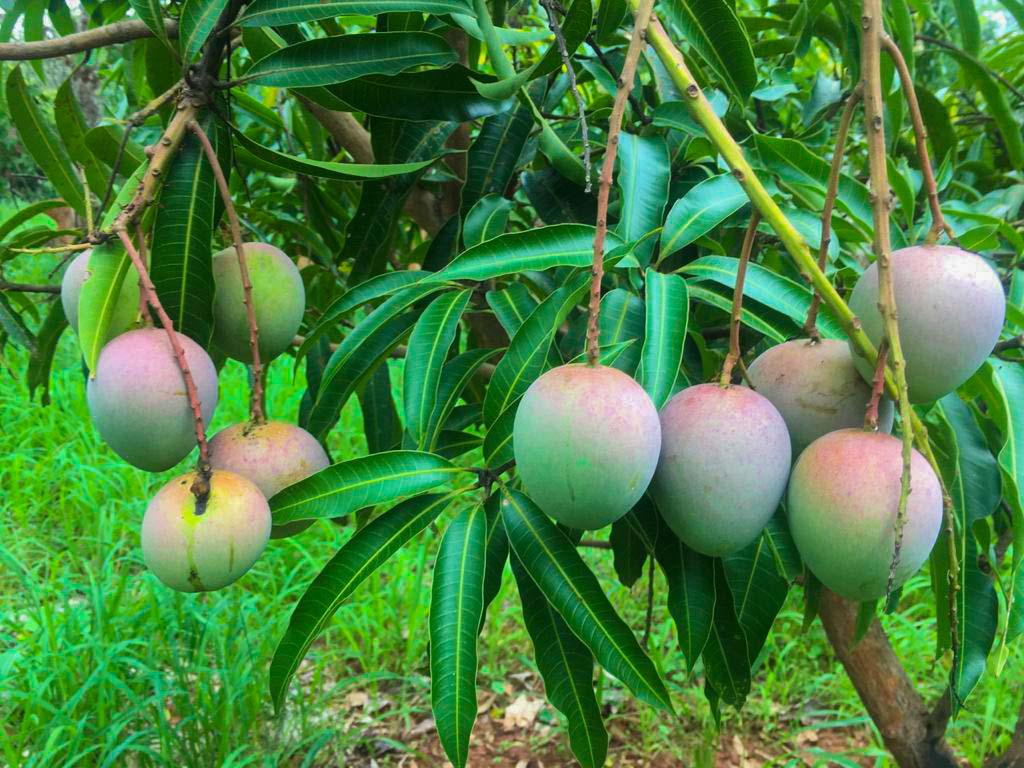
[668, 311]
[198, 18]
[270, 13]
[700, 210]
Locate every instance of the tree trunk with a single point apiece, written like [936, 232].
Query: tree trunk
[910, 733]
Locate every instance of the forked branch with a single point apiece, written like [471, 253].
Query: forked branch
[642, 18]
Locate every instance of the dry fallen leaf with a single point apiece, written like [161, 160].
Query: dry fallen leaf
[522, 712]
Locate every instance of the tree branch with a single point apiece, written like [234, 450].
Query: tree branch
[100, 37]
[910, 734]
[27, 288]
[343, 128]
[637, 42]
[737, 302]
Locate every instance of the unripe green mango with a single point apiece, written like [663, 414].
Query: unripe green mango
[202, 548]
[816, 388]
[138, 401]
[278, 298]
[126, 309]
[586, 443]
[950, 307]
[842, 507]
[725, 458]
[273, 455]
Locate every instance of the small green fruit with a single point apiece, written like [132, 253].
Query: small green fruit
[204, 548]
[278, 298]
[586, 444]
[843, 499]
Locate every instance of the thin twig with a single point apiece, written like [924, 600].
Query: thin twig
[737, 300]
[87, 195]
[974, 60]
[602, 57]
[55, 248]
[625, 84]
[556, 30]
[939, 224]
[877, 388]
[831, 192]
[201, 486]
[256, 401]
[881, 204]
[27, 288]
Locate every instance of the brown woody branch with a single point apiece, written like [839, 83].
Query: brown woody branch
[101, 37]
[27, 288]
[733, 355]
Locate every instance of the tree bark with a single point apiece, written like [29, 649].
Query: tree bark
[1013, 757]
[100, 37]
[910, 733]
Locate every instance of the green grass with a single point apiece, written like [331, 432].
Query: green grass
[100, 665]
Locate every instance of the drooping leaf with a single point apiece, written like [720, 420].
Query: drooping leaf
[758, 592]
[41, 359]
[381, 425]
[497, 552]
[25, 214]
[198, 18]
[643, 181]
[272, 13]
[366, 551]
[330, 60]
[456, 607]
[104, 141]
[181, 255]
[700, 210]
[558, 245]
[633, 537]
[716, 297]
[431, 338]
[39, 139]
[72, 129]
[13, 325]
[528, 352]
[511, 306]
[567, 668]
[668, 311]
[557, 199]
[716, 33]
[725, 653]
[553, 563]
[455, 376]
[691, 592]
[494, 155]
[343, 488]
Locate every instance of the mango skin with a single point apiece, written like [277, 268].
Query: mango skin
[725, 459]
[273, 456]
[209, 551]
[842, 505]
[586, 443]
[951, 308]
[278, 297]
[816, 388]
[138, 400]
[126, 310]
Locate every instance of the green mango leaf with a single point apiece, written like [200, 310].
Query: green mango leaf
[668, 311]
[691, 592]
[972, 478]
[326, 169]
[557, 245]
[575, 26]
[486, 220]
[330, 60]
[12, 323]
[676, 115]
[643, 180]
[567, 667]
[528, 352]
[151, 14]
[494, 155]
[181, 255]
[498, 439]
[429, 343]
[717, 297]
[556, 199]
[633, 538]
[725, 654]
[719, 37]
[381, 425]
[968, 25]
[198, 18]
[511, 306]
[72, 129]
[622, 320]
[38, 138]
[447, 94]
[758, 592]
[700, 210]
[27, 213]
[104, 141]
[553, 563]
[497, 552]
[342, 488]
[273, 13]
[783, 548]
[455, 376]
[41, 360]
[766, 287]
[367, 550]
[456, 608]
[1002, 389]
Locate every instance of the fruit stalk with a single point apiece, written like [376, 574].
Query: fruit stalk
[881, 207]
[831, 193]
[877, 388]
[256, 400]
[147, 318]
[737, 304]
[642, 17]
[939, 224]
[201, 486]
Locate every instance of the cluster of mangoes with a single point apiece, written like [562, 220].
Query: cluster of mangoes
[718, 459]
[139, 405]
